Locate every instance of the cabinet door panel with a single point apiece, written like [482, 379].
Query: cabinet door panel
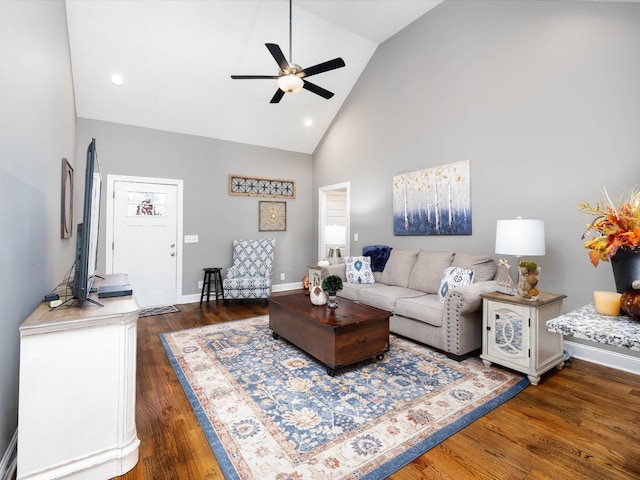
[508, 333]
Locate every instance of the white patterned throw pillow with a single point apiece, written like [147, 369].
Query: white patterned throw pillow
[358, 270]
[453, 277]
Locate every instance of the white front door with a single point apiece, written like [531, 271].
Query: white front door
[145, 239]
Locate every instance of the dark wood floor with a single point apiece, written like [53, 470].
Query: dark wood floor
[582, 422]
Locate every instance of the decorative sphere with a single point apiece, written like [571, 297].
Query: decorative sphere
[630, 303]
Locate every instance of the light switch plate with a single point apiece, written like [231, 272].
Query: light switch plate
[191, 239]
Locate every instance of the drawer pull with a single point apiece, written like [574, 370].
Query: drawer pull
[363, 340]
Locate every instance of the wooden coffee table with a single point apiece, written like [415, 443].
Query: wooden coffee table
[337, 337]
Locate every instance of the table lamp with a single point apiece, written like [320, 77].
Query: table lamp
[335, 236]
[522, 237]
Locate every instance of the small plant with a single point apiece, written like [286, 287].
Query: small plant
[332, 283]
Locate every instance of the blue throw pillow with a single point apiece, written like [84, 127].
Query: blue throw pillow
[358, 270]
[453, 277]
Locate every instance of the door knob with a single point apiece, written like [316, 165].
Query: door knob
[172, 245]
[173, 254]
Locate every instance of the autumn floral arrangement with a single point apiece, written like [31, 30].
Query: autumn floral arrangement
[616, 223]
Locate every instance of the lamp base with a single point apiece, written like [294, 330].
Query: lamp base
[528, 278]
[335, 256]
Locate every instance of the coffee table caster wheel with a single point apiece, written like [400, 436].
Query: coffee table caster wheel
[275, 335]
[331, 371]
[380, 357]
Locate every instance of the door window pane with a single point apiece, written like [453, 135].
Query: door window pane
[146, 204]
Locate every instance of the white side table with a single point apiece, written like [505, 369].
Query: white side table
[515, 334]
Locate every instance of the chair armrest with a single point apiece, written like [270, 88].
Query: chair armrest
[232, 272]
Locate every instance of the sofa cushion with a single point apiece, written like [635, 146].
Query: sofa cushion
[358, 270]
[454, 277]
[385, 296]
[398, 268]
[425, 308]
[352, 291]
[427, 272]
[483, 266]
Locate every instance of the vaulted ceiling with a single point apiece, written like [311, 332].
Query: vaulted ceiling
[176, 58]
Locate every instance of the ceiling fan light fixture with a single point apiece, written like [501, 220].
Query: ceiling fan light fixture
[290, 74]
[290, 83]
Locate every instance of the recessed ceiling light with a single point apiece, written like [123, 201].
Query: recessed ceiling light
[117, 80]
[308, 122]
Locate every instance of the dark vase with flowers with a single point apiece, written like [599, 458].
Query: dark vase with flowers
[616, 229]
[626, 268]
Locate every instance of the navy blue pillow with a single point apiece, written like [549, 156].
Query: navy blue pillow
[379, 255]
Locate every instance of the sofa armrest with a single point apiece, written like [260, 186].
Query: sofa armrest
[466, 298]
[462, 318]
[335, 269]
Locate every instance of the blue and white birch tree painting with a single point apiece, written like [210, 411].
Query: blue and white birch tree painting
[434, 201]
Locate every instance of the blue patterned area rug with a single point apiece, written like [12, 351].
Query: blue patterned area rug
[269, 411]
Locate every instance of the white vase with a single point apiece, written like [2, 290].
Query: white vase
[317, 296]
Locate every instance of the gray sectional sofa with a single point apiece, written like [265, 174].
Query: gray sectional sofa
[408, 287]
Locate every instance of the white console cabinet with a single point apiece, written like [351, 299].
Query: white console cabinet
[515, 334]
[76, 416]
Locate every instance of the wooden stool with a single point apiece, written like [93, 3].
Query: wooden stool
[217, 284]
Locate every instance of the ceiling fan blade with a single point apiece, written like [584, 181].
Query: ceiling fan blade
[278, 56]
[253, 77]
[277, 97]
[312, 87]
[322, 67]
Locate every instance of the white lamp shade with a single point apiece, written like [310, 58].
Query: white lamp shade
[290, 83]
[520, 237]
[335, 235]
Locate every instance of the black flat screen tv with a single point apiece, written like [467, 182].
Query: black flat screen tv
[87, 242]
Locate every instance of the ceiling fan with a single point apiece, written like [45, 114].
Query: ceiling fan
[292, 77]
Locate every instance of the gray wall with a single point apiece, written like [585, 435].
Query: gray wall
[204, 164]
[37, 129]
[543, 98]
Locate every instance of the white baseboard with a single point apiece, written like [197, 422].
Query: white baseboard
[608, 358]
[9, 460]
[281, 287]
[194, 297]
